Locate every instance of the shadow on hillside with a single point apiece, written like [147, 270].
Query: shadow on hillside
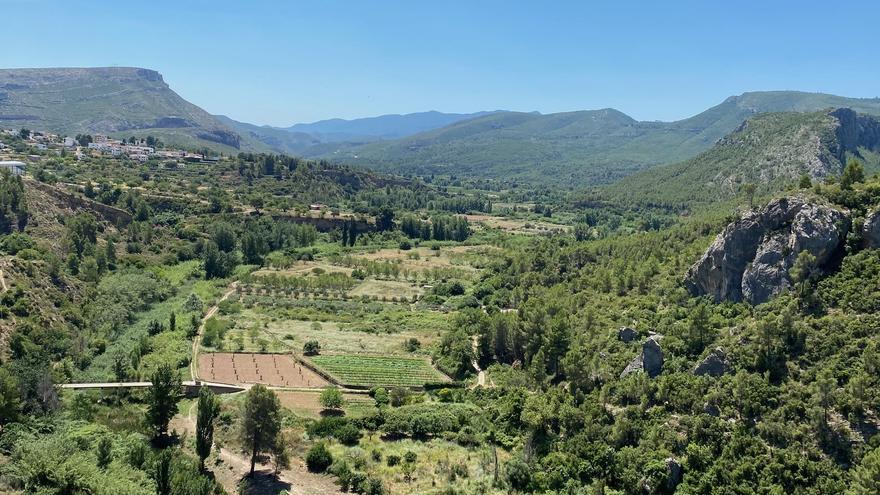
[263, 483]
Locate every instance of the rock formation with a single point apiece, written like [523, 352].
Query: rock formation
[751, 258]
[715, 364]
[871, 230]
[627, 334]
[650, 360]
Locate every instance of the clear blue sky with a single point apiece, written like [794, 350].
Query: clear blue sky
[283, 62]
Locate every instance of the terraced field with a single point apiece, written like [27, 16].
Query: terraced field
[375, 371]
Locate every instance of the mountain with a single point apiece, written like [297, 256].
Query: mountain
[381, 127]
[573, 148]
[770, 150]
[272, 138]
[108, 100]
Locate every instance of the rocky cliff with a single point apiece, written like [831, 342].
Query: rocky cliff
[751, 259]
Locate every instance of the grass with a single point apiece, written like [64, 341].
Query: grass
[283, 330]
[373, 371]
[387, 289]
[438, 463]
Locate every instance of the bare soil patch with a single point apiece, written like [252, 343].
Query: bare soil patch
[279, 370]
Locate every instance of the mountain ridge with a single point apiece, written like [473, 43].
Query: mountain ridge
[107, 100]
[595, 147]
[770, 150]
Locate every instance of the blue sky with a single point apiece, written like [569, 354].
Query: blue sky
[283, 62]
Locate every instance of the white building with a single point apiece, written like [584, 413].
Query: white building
[14, 167]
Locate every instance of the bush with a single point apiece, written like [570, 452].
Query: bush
[392, 460]
[311, 348]
[331, 398]
[319, 458]
[412, 345]
[347, 435]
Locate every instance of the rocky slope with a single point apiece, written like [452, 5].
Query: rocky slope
[771, 151]
[752, 258]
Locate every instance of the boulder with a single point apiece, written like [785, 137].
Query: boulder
[751, 258]
[635, 365]
[715, 364]
[673, 474]
[650, 360]
[652, 356]
[871, 230]
[673, 478]
[627, 334]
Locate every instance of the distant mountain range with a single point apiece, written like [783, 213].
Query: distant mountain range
[381, 127]
[569, 150]
[573, 148]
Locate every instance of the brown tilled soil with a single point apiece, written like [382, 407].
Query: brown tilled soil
[279, 370]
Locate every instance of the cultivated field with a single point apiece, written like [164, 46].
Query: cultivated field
[335, 338]
[386, 289]
[306, 404]
[516, 225]
[373, 371]
[269, 369]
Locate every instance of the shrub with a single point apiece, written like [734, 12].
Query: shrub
[347, 435]
[311, 348]
[331, 398]
[392, 460]
[319, 458]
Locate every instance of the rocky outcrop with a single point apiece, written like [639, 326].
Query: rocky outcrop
[871, 230]
[665, 484]
[751, 258]
[715, 364]
[650, 360]
[674, 474]
[627, 335]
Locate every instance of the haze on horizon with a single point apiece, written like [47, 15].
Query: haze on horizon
[282, 64]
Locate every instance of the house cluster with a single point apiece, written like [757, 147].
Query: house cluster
[115, 147]
[101, 145]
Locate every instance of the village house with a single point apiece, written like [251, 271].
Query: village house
[13, 167]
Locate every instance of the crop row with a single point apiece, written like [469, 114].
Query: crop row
[378, 370]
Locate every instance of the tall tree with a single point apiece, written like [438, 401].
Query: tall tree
[162, 398]
[260, 421]
[866, 477]
[162, 473]
[209, 407]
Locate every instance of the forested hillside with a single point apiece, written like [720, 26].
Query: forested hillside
[574, 148]
[766, 154]
[379, 335]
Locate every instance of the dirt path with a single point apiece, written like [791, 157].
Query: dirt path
[297, 480]
[197, 341]
[481, 374]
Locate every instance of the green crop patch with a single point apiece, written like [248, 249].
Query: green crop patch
[375, 371]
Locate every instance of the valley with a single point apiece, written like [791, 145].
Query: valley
[489, 303]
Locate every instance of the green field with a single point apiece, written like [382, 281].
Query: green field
[374, 371]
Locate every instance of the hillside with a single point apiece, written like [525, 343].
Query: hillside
[575, 148]
[109, 100]
[771, 151]
[270, 138]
